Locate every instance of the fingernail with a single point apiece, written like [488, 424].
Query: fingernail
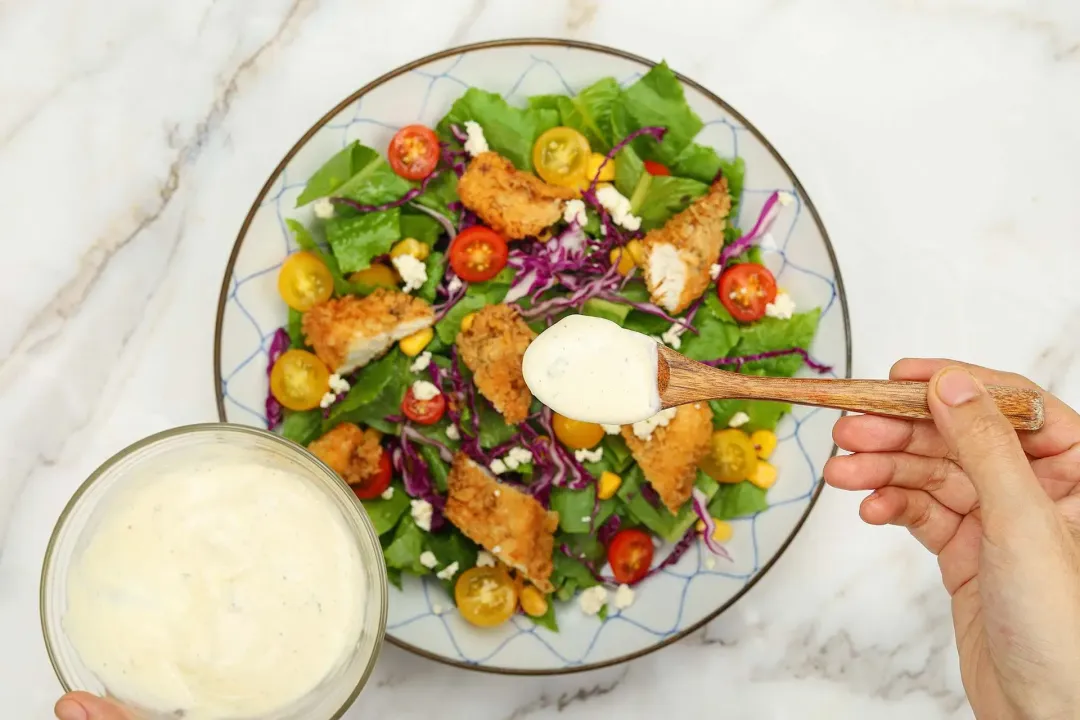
[956, 387]
[70, 710]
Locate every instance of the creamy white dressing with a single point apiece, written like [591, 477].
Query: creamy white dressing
[228, 590]
[590, 369]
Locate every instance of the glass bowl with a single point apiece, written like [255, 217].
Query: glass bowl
[172, 450]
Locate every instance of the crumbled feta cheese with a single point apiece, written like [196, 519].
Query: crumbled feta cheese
[454, 285]
[324, 209]
[574, 212]
[339, 384]
[785, 198]
[475, 142]
[767, 242]
[781, 308]
[603, 229]
[593, 455]
[714, 270]
[645, 428]
[412, 271]
[387, 494]
[624, 597]
[420, 364]
[672, 337]
[497, 466]
[668, 274]
[710, 562]
[618, 206]
[592, 599]
[327, 399]
[517, 457]
[428, 560]
[612, 429]
[423, 390]
[452, 432]
[437, 608]
[448, 572]
[738, 419]
[421, 514]
[586, 518]
[485, 559]
[657, 542]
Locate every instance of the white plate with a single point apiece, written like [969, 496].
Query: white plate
[678, 600]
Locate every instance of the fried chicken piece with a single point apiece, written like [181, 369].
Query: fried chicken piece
[511, 525]
[352, 453]
[349, 332]
[493, 348]
[677, 257]
[669, 456]
[517, 204]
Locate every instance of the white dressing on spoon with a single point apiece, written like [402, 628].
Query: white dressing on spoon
[592, 370]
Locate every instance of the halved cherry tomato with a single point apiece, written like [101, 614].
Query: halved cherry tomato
[478, 253]
[654, 168]
[486, 596]
[414, 152]
[304, 281]
[375, 485]
[575, 434]
[630, 555]
[733, 457]
[299, 380]
[425, 412]
[561, 157]
[745, 289]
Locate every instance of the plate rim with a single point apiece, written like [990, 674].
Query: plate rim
[594, 47]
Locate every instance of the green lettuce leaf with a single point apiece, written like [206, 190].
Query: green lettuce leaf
[588, 112]
[774, 334]
[569, 575]
[494, 430]
[439, 194]
[660, 520]
[666, 196]
[356, 172]
[509, 131]
[296, 329]
[734, 500]
[573, 506]
[306, 242]
[449, 547]
[615, 312]
[422, 227]
[629, 172]
[718, 333]
[384, 514]
[436, 267]
[657, 99]
[440, 471]
[301, 427]
[763, 414]
[357, 240]
[377, 392]
[547, 620]
[403, 552]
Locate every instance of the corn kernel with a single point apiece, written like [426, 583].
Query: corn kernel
[533, 601]
[545, 235]
[467, 321]
[765, 475]
[378, 275]
[416, 342]
[700, 526]
[607, 174]
[723, 531]
[623, 258]
[410, 246]
[609, 483]
[637, 251]
[764, 443]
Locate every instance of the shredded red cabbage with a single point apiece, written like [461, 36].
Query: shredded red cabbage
[413, 434]
[278, 345]
[607, 531]
[740, 360]
[460, 135]
[701, 509]
[676, 552]
[768, 214]
[650, 495]
[412, 194]
[454, 158]
[416, 476]
[448, 226]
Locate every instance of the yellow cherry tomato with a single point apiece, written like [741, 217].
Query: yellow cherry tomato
[624, 259]
[764, 442]
[764, 475]
[561, 157]
[533, 601]
[486, 596]
[607, 173]
[575, 434]
[378, 275]
[732, 459]
[410, 246]
[608, 485]
[299, 380]
[304, 281]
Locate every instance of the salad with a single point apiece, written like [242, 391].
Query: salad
[423, 276]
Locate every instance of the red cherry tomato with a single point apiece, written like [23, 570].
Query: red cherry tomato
[425, 412]
[655, 168]
[745, 289]
[478, 253]
[414, 152]
[375, 485]
[630, 555]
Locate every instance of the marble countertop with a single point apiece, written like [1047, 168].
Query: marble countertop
[940, 141]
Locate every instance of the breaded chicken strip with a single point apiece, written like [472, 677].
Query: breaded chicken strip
[511, 525]
[493, 348]
[515, 203]
[352, 453]
[669, 457]
[349, 332]
[677, 257]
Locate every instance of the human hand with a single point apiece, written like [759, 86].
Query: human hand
[1002, 513]
[84, 706]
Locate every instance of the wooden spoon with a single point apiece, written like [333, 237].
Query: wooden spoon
[681, 380]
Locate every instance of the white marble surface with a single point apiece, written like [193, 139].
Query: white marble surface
[940, 140]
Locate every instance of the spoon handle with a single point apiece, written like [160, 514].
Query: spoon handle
[894, 398]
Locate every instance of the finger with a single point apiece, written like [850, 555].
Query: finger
[940, 477]
[989, 451]
[871, 433]
[930, 522]
[84, 706]
[1061, 427]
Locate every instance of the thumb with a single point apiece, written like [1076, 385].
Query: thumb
[84, 706]
[988, 449]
